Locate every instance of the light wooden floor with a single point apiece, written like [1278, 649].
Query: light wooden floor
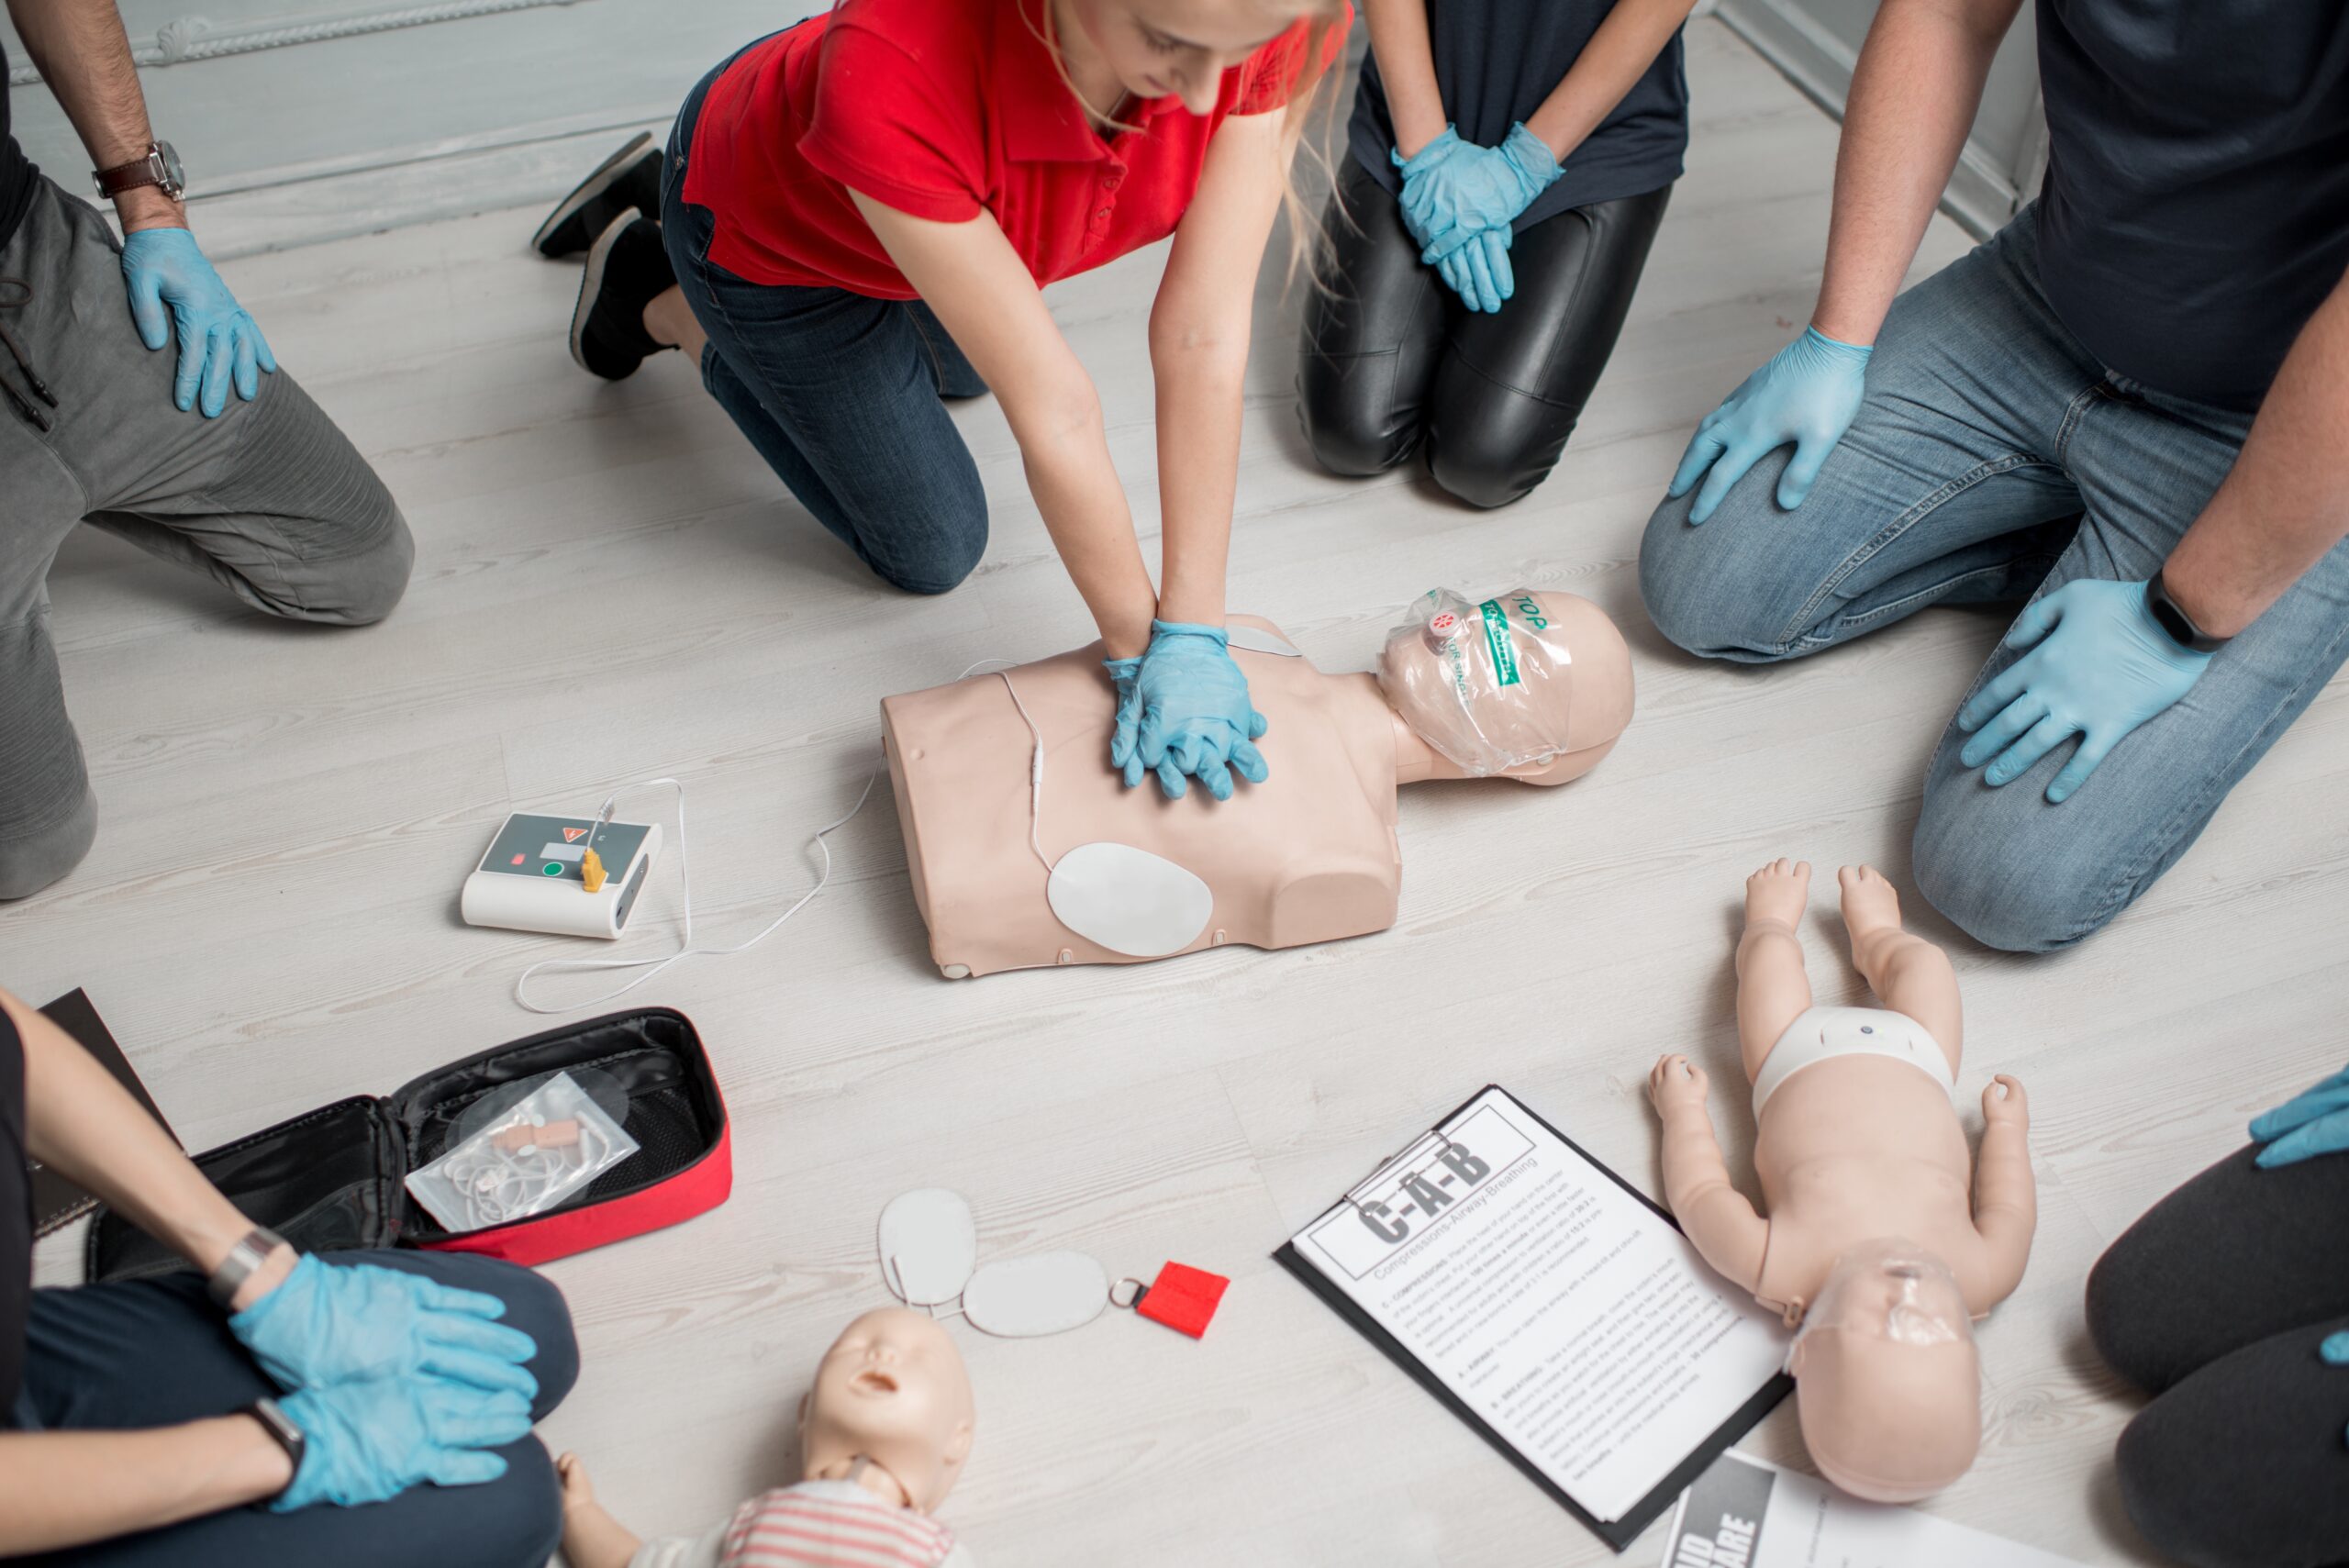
[610, 586]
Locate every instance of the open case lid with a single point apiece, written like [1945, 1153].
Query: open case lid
[334, 1179]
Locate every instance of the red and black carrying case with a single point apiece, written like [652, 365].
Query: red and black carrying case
[334, 1179]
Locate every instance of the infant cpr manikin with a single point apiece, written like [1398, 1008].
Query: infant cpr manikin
[1532, 685]
[1871, 1244]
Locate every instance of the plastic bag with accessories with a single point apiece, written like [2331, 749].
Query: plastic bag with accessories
[525, 1148]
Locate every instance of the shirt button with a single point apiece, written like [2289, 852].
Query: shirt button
[1103, 214]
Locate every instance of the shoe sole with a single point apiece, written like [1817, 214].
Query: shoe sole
[591, 284]
[607, 174]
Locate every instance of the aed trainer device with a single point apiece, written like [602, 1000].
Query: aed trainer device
[537, 876]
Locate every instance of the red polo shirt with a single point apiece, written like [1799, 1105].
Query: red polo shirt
[941, 109]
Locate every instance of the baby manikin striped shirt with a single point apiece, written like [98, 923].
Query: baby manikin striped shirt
[828, 1526]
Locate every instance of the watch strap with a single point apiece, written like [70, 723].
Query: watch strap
[282, 1431]
[150, 168]
[248, 1254]
[2171, 616]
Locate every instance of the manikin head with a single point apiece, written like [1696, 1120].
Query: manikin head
[1887, 1380]
[892, 1391]
[1531, 683]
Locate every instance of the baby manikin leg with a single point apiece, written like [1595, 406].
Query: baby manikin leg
[1773, 990]
[1908, 973]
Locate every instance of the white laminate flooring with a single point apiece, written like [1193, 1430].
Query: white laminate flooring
[610, 585]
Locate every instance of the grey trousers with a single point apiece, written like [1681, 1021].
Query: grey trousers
[269, 500]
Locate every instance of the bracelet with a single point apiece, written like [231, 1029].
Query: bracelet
[246, 1255]
[284, 1434]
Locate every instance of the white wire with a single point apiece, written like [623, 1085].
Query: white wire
[1035, 775]
[685, 947]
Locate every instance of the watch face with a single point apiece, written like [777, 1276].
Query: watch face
[174, 180]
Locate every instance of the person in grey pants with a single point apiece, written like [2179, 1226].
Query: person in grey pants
[98, 424]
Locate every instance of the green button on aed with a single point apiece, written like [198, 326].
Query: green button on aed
[552, 868]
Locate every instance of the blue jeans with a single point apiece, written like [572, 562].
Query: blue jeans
[841, 395]
[1992, 461]
[155, 1353]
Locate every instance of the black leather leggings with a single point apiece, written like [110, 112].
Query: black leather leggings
[1392, 359]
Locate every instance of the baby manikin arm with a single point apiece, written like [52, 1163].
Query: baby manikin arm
[1719, 1219]
[2006, 1194]
[701, 1551]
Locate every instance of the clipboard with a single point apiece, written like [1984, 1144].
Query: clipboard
[1619, 1533]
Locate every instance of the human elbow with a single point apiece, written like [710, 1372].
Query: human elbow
[1058, 416]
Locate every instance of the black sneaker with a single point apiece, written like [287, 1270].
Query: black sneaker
[629, 178]
[627, 268]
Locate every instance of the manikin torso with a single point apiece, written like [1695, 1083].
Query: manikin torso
[1309, 855]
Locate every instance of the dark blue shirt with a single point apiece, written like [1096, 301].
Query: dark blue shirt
[16, 172]
[2196, 209]
[1496, 60]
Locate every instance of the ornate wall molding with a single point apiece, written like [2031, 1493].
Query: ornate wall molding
[189, 39]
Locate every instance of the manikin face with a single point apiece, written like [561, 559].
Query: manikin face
[1887, 1380]
[1177, 47]
[893, 1391]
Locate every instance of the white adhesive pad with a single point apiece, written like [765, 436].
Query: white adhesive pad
[929, 1243]
[1255, 640]
[1128, 900]
[1048, 1293]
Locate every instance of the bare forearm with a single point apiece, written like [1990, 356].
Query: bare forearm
[86, 1126]
[1199, 402]
[2003, 1182]
[1083, 508]
[1398, 40]
[59, 1489]
[1610, 65]
[1914, 97]
[2287, 501]
[84, 58]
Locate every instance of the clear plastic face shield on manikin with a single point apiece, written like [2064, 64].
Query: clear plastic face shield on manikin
[1486, 684]
[1887, 1382]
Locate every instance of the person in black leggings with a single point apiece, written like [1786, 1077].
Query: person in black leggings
[2228, 1302]
[1509, 164]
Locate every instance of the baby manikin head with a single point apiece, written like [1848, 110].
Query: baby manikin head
[1887, 1381]
[1529, 680]
[892, 1391]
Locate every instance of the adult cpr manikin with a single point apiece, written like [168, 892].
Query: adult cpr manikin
[883, 1436]
[1871, 1244]
[1532, 686]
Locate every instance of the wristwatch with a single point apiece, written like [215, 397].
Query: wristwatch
[284, 1433]
[238, 1267]
[158, 166]
[2172, 618]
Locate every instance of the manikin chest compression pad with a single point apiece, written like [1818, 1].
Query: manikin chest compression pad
[1128, 899]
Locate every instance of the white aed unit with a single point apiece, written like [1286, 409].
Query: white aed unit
[536, 876]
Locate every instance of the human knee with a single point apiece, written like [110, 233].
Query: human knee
[2119, 1324]
[1999, 885]
[940, 563]
[1709, 594]
[535, 1305]
[2196, 1496]
[362, 588]
[1484, 471]
[36, 860]
[1351, 431]
[515, 1521]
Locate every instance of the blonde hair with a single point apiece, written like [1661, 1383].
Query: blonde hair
[1307, 242]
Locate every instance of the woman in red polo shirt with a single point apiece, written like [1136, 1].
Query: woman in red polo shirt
[856, 217]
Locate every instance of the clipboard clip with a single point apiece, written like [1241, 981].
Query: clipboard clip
[1401, 1156]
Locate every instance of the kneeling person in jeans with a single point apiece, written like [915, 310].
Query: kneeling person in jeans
[138, 1418]
[2130, 407]
[99, 424]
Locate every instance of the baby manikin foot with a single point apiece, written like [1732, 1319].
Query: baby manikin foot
[1778, 891]
[1870, 905]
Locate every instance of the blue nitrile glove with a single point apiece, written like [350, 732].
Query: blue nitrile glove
[1455, 192]
[1196, 719]
[1123, 728]
[2105, 668]
[218, 341]
[2314, 1121]
[369, 1440]
[1808, 394]
[328, 1324]
[2333, 1350]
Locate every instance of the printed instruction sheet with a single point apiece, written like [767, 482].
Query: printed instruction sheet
[1743, 1513]
[1572, 1317]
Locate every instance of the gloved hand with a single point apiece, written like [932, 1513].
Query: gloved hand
[218, 341]
[2314, 1121]
[2105, 668]
[1125, 728]
[330, 1324]
[1459, 198]
[1808, 393]
[1196, 718]
[370, 1440]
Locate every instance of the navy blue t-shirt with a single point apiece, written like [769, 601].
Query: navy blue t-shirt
[16, 172]
[2196, 209]
[1496, 60]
